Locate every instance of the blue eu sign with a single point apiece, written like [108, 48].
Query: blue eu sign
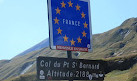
[70, 25]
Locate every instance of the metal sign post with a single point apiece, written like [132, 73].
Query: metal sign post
[69, 55]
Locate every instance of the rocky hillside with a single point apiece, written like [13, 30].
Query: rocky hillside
[112, 46]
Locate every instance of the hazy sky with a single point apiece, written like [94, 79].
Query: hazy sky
[24, 23]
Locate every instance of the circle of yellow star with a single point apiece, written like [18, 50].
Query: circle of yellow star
[72, 42]
[85, 25]
[65, 38]
[79, 40]
[84, 34]
[83, 15]
[56, 21]
[59, 31]
[78, 7]
[63, 4]
[57, 10]
[70, 4]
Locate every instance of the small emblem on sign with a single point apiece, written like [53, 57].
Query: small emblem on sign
[88, 46]
[90, 77]
[42, 74]
[100, 75]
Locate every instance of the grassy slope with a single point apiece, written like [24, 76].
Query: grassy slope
[133, 73]
[3, 62]
[117, 76]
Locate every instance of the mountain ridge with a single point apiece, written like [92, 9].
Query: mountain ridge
[42, 44]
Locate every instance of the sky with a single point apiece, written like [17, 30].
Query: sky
[24, 23]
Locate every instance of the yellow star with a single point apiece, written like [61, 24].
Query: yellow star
[84, 34]
[57, 10]
[63, 4]
[56, 21]
[85, 25]
[79, 40]
[65, 38]
[72, 42]
[83, 15]
[70, 4]
[59, 31]
[78, 7]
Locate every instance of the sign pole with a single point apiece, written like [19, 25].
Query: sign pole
[69, 55]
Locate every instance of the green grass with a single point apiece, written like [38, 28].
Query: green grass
[133, 73]
[117, 76]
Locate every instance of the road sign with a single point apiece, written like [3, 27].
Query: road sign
[49, 68]
[70, 25]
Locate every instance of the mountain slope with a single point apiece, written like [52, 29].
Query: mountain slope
[43, 44]
[3, 62]
[117, 42]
